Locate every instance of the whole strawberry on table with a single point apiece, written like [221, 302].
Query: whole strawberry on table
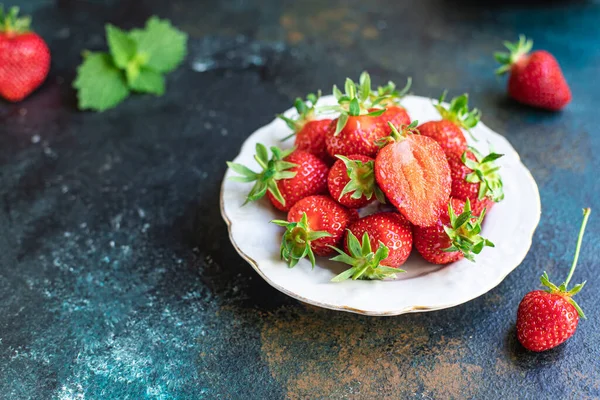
[24, 56]
[436, 189]
[547, 318]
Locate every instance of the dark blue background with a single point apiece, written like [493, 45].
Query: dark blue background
[117, 278]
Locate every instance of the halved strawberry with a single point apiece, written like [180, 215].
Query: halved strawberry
[393, 235]
[351, 181]
[287, 177]
[314, 224]
[453, 237]
[476, 178]
[357, 128]
[413, 173]
[447, 132]
[310, 132]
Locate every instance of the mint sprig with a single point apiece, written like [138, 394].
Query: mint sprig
[136, 61]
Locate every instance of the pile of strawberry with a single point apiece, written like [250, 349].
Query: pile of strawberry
[439, 189]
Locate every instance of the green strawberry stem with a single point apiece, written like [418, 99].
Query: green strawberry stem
[362, 180]
[515, 52]
[398, 135]
[11, 23]
[485, 172]
[458, 112]
[366, 263]
[306, 111]
[562, 289]
[296, 241]
[463, 232]
[586, 216]
[273, 169]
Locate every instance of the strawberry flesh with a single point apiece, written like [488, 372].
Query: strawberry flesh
[415, 176]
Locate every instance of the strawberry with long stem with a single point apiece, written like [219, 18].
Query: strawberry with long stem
[547, 318]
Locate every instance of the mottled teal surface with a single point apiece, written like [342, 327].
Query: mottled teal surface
[117, 278]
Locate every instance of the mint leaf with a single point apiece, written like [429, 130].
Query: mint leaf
[100, 84]
[149, 81]
[122, 47]
[164, 45]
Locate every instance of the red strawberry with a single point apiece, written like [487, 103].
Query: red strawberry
[393, 237]
[413, 173]
[547, 318]
[535, 79]
[24, 57]
[314, 224]
[388, 97]
[286, 178]
[447, 132]
[476, 178]
[453, 237]
[358, 127]
[351, 181]
[310, 133]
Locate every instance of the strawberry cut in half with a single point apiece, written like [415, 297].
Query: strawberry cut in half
[310, 132]
[351, 181]
[413, 173]
[286, 177]
[477, 179]
[24, 56]
[547, 318]
[358, 127]
[314, 225]
[535, 79]
[456, 235]
[447, 131]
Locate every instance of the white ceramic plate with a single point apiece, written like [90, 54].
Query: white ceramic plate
[425, 287]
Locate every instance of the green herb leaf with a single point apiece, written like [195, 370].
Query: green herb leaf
[149, 81]
[100, 84]
[122, 47]
[164, 45]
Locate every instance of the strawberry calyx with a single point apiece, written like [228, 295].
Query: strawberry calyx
[355, 101]
[398, 135]
[306, 112]
[514, 54]
[389, 94]
[562, 290]
[11, 23]
[295, 242]
[458, 111]
[362, 180]
[464, 232]
[485, 172]
[274, 169]
[366, 263]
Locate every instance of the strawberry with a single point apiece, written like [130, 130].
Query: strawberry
[351, 181]
[413, 173]
[388, 97]
[286, 178]
[392, 233]
[447, 131]
[24, 57]
[310, 132]
[535, 79]
[453, 237]
[476, 178]
[313, 226]
[358, 127]
[547, 318]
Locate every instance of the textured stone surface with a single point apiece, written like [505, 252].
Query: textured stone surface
[117, 278]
